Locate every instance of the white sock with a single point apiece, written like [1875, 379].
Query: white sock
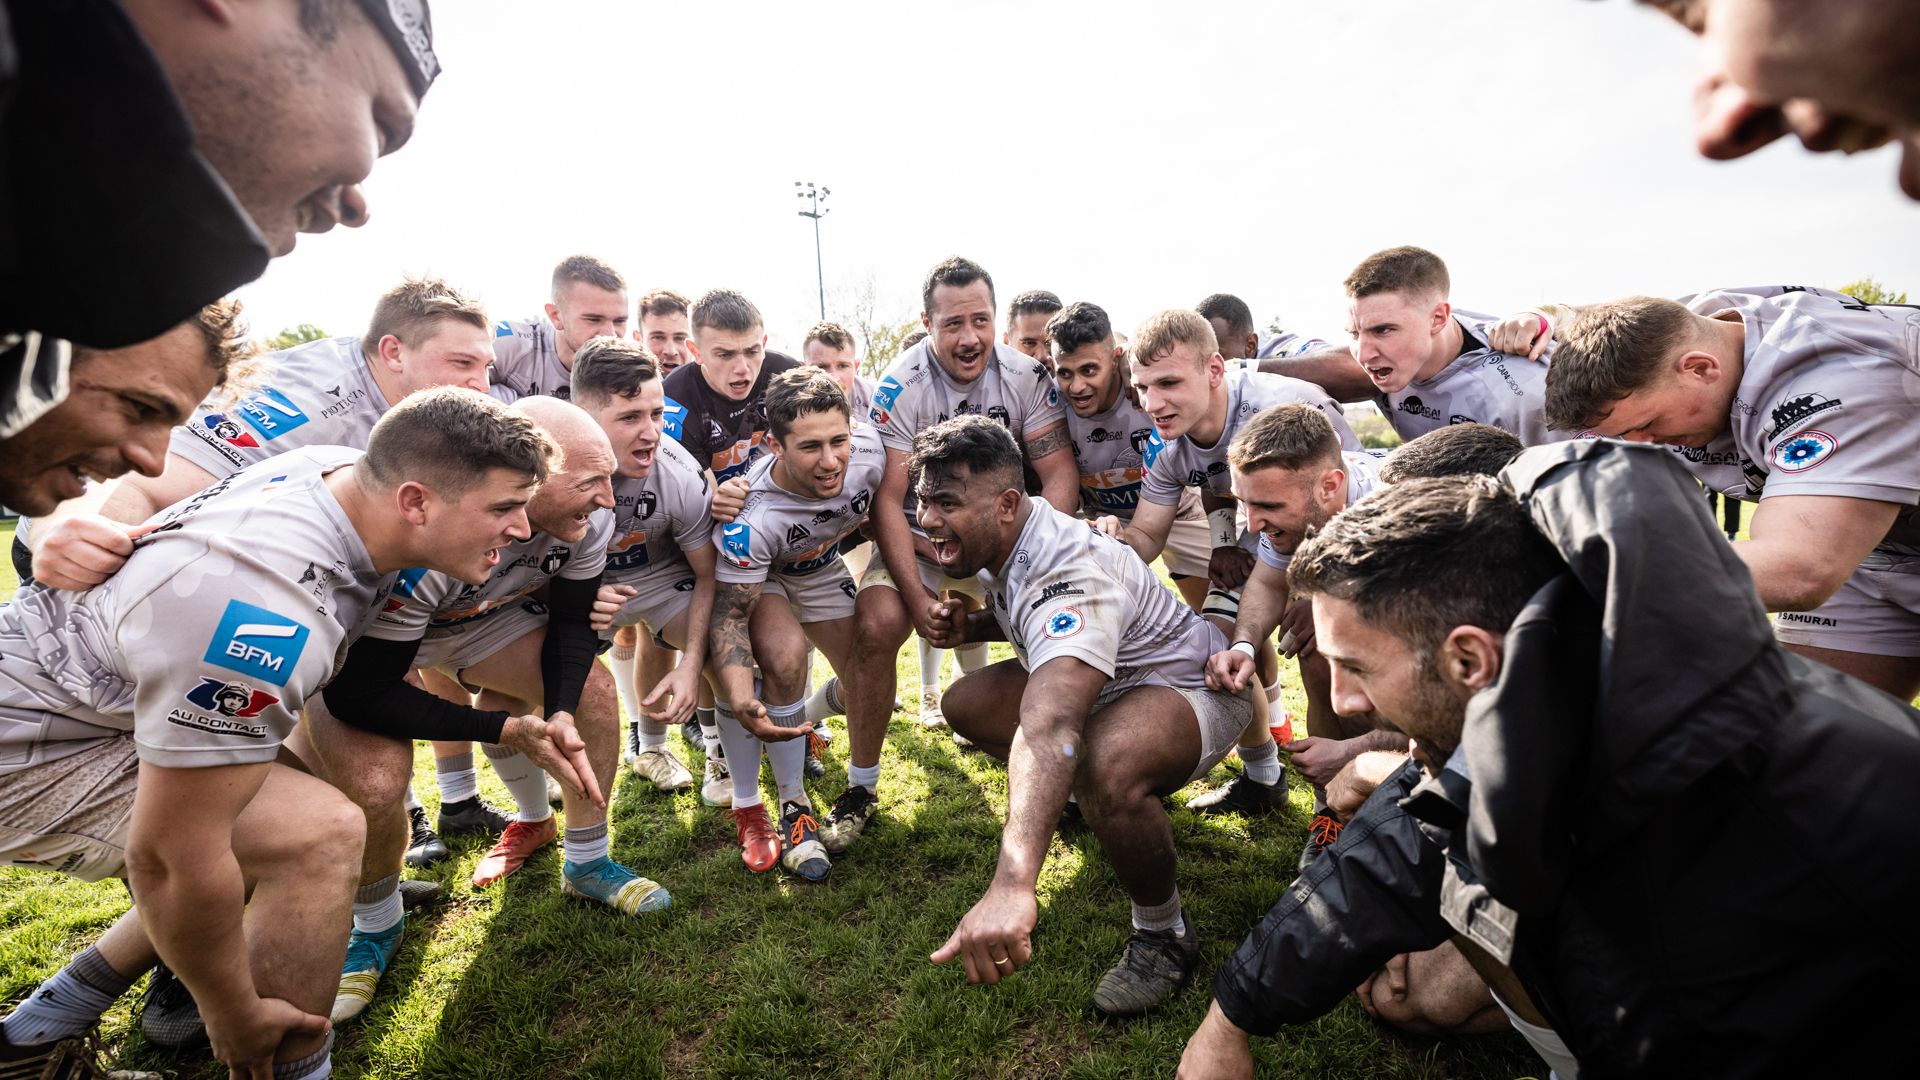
[412, 800]
[709, 733]
[743, 758]
[586, 844]
[620, 662]
[930, 661]
[315, 1066]
[825, 702]
[377, 908]
[1262, 762]
[651, 734]
[526, 783]
[69, 1003]
[789, 758]
[1273, 694]
[1161, 916]
[971, 657]
[456, 778]
[866, 776]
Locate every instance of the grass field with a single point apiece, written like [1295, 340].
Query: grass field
[759, 975]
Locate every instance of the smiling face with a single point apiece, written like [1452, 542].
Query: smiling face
[1378, 673]
[462, 537]
[1394, 337]
[1289, 504]
[121, 410]
[1178, 388]
[1091, 377]
[730, 361]
[968, 523]
[960, 327]
[633, 426]
[811, 460]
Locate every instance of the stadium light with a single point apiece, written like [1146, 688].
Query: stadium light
[816, 200]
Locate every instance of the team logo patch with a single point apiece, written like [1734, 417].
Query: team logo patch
[1804, 451]
[860, 503]
[1152, 449]
[257, 643]
[674, 418]
[228, 431]
[552, 561]
[1064, 623]
[649, 502]
[230, 698]
[272, 414]
[736, 543]
[884, 396]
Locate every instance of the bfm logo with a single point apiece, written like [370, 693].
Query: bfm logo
[256, 642]
[271, 413]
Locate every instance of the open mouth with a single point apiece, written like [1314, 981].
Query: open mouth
[946, 549]
[493, 558]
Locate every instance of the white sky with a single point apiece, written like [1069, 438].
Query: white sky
[1140, 155]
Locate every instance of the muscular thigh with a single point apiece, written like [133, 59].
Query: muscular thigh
[985, 705]
[514, 670]
[1149, 734]
[369, 767]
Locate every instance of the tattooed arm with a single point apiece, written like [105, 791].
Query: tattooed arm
[730, 659]
[1051, 454]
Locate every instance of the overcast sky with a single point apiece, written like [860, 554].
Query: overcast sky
[1140, 155]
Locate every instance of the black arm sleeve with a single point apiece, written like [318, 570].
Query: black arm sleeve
[1373, 895]
[372, 693]
[567, 655]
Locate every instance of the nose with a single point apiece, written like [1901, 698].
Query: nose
[353, 206]
[603, 495]
[477, 381]
[1728, 122]
[517, 527]
[1348, 698]
[147, 451]
[1642, 436]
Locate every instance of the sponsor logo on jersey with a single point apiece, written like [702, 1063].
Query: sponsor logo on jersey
[884, 395]
[628, 552]
[736, 542]
[1804, 451]
[230, 698]
[673, 417]
[216, 725]
[1100, 435]
[228, 431]
[341, 405]
[1151, 450]
[554, 559]
[1794, 412]
[798, 533]
[272, 414]
[1412, 404]
[1053, 395]
[825, 516]
[1805, 619]
[1054, 591]
[1702, 456]
[1064, 623]
[257, 643]
[503, 328]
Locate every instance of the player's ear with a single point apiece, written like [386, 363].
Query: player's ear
[1253, 346]
[1469, 659]
[389, 350]
[412, 498]
[553, 314]
[1441, 312]
[693, 349]
[1700, 364]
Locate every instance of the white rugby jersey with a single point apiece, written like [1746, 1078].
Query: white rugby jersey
[1175, 466]
[1828, 391]
[860, 401]
[208, 640]
[1067, 590]
[1479, 386]
[1288, 344]
[427, 601]
[784, 533]
[321, 393]
[1363, 476]
[1109, 450]
[659, 517]
[1014, 390]
[526, 359]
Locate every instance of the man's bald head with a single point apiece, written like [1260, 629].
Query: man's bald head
[584, 480]
[572, 429]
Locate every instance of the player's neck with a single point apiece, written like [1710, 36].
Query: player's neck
[383, 377]
[1446, 346]
[1206, 431]
[1013, 537]
[377, 532]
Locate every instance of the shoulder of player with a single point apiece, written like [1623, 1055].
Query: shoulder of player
[1019, 368]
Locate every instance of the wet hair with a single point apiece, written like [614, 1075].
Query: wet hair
[608, 367]
[985, 448]
[1454, 450]
[1077, 325]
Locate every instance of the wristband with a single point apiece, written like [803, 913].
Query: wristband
[1226, 531]
[1543, 323]
[1243, 647]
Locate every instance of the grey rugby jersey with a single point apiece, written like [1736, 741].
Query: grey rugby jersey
[208, 640]
[1109, 450]
[1175, 466]
[781, 532]
[1067, 590]
[659, 517]
[526, 359]
[424, 601]
[1363, 476]
[1828, 391]
[1479, 386]
[321, 393]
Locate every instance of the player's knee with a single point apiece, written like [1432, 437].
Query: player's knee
[881, 627]
[599, 698]
[328, 831]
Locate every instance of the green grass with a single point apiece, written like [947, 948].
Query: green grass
[758, 975]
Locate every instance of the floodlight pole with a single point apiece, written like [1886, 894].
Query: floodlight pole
[816, 200]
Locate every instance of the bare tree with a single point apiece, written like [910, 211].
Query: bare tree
[857, 307]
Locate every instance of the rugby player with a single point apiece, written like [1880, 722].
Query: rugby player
[660, 562]
[535, 356]
[782, 584]
[1027, 316]
[169, 779]
[1110, 436]
[958, 369]
[494, 634]
[423, 333]
[1797, 398]
[830, 347]
[1426, 363]
[664, 328]
[1233, 329]
[1106, 698]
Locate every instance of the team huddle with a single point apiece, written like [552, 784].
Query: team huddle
[215, 673]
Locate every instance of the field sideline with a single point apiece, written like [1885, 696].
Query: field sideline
[750, 976]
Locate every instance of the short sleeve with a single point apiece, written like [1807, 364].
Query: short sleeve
[217, 442]
[221, 671]
[693, 518]
[591, 560]
[1160, 484]
[1859, 445]
[745, 552]
[1083, 618]
[1042, 405]
[892, 415]
[416, 595]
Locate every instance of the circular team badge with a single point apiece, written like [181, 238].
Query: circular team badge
[1064, 623]
[1801, 452]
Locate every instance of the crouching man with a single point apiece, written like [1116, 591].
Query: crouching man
[1107, 699]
